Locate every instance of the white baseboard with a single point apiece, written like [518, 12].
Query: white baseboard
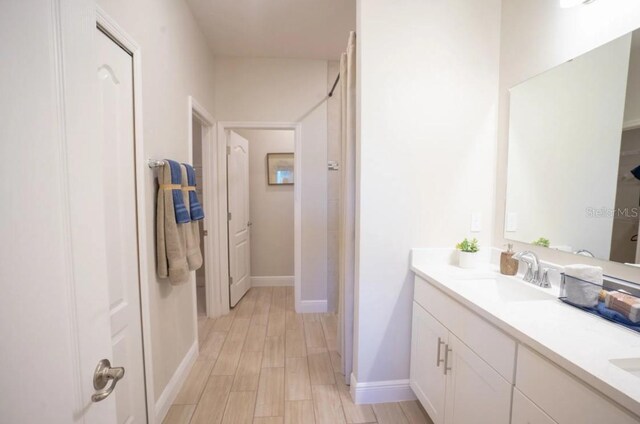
[312, 306]
[275, 281]
[170, 392]
[381, 391]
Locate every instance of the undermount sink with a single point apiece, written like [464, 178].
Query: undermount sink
[508, 289]
[630, 365]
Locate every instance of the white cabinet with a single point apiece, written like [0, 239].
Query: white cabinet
[526, 412]
[454, 385]
[428, 381]
[476, 393]
[560, 395]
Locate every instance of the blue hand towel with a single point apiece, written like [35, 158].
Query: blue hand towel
[615, 316]
[182, 214]
[197, 213]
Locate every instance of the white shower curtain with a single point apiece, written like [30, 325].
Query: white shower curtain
[347, 207]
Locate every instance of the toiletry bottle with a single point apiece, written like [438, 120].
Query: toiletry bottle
[508, 265]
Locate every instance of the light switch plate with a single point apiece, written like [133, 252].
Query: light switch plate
[476, 222]
[511, 225]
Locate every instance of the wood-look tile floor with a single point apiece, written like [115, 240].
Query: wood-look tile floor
[264, 364]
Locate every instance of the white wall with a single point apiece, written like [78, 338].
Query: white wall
[176, 63]
[537, 36]
[271, 206]
[564, 145]
[287, 90]
[428, 79]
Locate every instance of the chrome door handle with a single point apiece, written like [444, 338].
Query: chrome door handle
[438, 360]
[446, 359]
[104, 372]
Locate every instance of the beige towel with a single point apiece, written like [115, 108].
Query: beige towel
[170, 237]
[192, 229]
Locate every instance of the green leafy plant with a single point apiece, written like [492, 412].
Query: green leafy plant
[468, 246]
[542, 242]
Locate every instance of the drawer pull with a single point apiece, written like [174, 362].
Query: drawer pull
[447, 350]
[438, 360]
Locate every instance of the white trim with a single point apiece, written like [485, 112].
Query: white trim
[107, 24]
[174, 385]
[208, 123]
[221, 195]
[273, 281]
[380, 391]
[312, 307]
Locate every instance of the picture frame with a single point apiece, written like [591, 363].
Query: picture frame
[280, 169]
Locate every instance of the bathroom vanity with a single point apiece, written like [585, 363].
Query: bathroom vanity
[488, 348]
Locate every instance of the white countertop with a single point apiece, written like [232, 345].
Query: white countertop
[581, 343]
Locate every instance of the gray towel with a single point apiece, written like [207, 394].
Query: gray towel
[192, 229]
[170, 236]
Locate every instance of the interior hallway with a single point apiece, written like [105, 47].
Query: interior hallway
[265, 364]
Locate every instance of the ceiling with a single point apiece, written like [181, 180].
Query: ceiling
[309, 29]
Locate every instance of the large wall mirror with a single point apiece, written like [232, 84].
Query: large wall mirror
[574, 155]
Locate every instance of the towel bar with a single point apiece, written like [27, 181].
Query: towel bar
[154, 163]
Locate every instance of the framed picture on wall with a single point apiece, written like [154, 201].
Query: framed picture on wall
[280, 168]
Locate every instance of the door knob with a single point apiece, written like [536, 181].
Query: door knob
[104, 372]
[249, 224]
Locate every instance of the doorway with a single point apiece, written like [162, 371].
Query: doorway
[260, 187]
[231, 294]
[201, 131]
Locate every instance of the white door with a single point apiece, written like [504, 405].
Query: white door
[238, 222]
[427, 377]
[115, 109]
[476, 393]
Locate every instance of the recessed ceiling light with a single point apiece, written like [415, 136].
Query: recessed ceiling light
[566, 4]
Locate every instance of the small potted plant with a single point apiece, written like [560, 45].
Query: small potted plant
[542, 242]
[468, 253]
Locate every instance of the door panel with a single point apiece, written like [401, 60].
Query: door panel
[427, 376]
[115, 81]
[238, 224]
[476, 393]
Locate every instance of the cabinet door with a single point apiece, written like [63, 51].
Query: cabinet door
[476, 393]
[428, 340]
[526, 412]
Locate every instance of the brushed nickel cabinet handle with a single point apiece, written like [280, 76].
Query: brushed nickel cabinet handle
[447, 350]
[438, 360]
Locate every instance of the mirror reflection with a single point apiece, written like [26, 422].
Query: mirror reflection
[573, 180]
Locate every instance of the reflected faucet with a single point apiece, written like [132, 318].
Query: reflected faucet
[534, 274]
[584, 252]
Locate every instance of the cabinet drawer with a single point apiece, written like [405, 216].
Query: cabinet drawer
[491, 344]
[526, 412]
[563, 397]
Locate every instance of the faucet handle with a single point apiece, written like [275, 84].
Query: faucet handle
[544, 278]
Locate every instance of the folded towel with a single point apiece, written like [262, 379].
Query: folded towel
[583, 284]
[181, 211]
[170, 237]
[192, 229]
[615, 316]
[195, 208]
[624, 303]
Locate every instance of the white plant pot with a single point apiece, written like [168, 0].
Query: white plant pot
[468, 260]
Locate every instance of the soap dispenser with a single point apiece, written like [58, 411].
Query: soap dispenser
[508, 265]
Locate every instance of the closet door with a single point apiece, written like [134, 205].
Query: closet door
[476, 393]
[115, 82]
[238, 223]
[427, 377]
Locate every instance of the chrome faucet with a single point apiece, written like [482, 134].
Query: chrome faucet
[584, 252]
[535, 274]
